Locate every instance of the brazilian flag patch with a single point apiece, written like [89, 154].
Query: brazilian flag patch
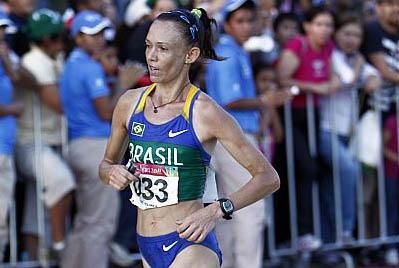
[138, 129]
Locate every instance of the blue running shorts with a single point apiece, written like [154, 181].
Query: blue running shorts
[160, 251]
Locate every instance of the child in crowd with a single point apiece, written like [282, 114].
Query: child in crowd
[125, 236]
[271, 129]
[108, 58]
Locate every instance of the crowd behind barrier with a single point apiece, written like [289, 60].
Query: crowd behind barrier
[325, 78]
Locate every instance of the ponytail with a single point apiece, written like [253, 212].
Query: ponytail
[208, 52]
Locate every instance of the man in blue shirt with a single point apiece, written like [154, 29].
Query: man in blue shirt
[88, 105]
[231, 84]
[8, 111]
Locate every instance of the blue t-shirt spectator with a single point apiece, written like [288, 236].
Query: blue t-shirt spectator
[8, 128]
[231, 80]
[82, 81]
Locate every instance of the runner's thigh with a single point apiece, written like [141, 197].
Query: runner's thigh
[196, 256]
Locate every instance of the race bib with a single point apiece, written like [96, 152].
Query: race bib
[157, 186]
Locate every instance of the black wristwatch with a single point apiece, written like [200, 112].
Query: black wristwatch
[227, 208]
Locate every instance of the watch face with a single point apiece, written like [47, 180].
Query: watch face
[228, 206]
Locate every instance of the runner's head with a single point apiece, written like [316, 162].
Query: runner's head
[176, 40]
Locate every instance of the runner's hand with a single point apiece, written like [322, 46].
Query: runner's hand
[198, 225]
[120, 177]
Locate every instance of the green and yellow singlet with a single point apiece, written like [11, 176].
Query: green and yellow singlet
[172, 162]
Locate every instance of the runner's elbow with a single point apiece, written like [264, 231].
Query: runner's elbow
[275, 182]
[272, 182]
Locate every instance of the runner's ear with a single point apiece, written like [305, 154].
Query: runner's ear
[192, 55]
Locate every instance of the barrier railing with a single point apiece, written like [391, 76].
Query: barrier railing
[361, 239]
[274, 250]
[43, 251]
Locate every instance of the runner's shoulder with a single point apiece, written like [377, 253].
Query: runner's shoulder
[208, 109]
[130, 96]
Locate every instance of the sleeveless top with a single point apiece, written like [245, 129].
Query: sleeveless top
[172, 162]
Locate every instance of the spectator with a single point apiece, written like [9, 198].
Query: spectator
[286, 26]
[381, 49]
[231, 84]
[88, 106]
[110, 11]
[125, 236]
[20, 10]
[9, 109]
[80, 5]
[18, 41]
[266, 13]
[212, 7]
[337, 114]
[368, 11]
[271, 128]
[136, 13]
[45, 28]
[18, 44]
[392, 184]
[305, 62]
[296, 6]
[134, 47]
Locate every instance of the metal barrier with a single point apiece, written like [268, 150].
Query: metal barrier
[44, 260]
[43, 252]
[276, 252]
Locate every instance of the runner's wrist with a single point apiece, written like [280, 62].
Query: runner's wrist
[108, 175]
[217, 211]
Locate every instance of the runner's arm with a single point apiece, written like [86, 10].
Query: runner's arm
[264, 178]
[110, 171]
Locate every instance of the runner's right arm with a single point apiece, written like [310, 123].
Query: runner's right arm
[111, 172]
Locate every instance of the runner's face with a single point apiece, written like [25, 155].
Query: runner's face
[165, 52]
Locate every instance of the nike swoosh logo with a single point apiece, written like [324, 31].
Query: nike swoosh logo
[172, 134]
[167, 248]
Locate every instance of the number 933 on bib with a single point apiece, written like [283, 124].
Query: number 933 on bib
[156, 187]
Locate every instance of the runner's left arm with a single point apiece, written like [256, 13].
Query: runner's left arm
[264, 178]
